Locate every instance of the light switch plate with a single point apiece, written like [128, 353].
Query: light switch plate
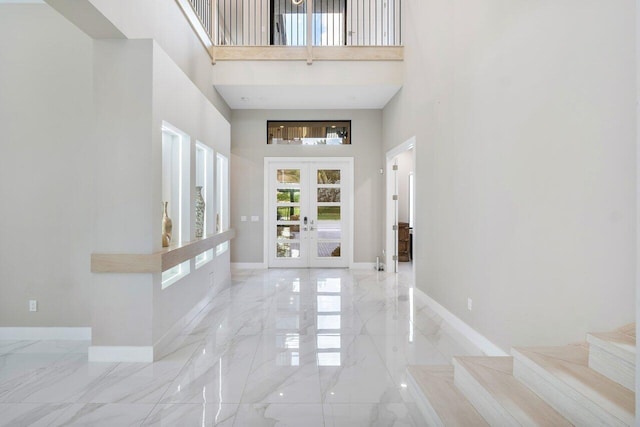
[255, 218]
[243, 218]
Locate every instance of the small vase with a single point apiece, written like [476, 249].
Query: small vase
[167, 227]
[200, 205]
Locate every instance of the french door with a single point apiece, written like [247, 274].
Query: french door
[309, 212]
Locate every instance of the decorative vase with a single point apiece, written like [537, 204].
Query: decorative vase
[199, 212]
[167, 227]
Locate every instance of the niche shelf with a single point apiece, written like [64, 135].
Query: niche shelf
[160, 261]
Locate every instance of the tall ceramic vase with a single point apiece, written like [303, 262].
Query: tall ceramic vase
[200, 205]
[167, 227]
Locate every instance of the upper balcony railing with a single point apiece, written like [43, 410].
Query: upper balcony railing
[297, 23]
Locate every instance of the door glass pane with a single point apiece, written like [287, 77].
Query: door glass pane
[329, 231]
[289, 232]
[328, 176]
[328, 195]
[288, 176]
[290, 195]
[288, 250]
[328, 213]
[329, 249]
[288, 213]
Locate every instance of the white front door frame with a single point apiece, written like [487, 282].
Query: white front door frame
[390, 205]
[350, 203]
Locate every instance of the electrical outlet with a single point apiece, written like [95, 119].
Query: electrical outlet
[243, 218]
[33, 305]
[469, 304]
[255, 218]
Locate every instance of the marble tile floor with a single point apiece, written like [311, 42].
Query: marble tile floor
[309, 347]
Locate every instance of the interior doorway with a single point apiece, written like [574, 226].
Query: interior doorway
[400, 208]
[309, 210]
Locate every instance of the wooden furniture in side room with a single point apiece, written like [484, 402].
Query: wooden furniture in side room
[403, 242]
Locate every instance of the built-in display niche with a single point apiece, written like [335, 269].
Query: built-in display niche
[310, 132]
[204, 195]
[176, 162]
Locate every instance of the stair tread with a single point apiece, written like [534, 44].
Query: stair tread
[621, 340]
[495, 375]
[629, 329]
[436, 383]
[570, 364]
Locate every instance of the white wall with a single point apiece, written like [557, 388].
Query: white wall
[523, 114]
[138, 87]
[178, 101]
[405, 167]
[249, 148]
[80, 172]
[46, 184]
[122, 212]
[162, 21]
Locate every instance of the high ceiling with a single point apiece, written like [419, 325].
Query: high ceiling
[307, 97]
[296, 85]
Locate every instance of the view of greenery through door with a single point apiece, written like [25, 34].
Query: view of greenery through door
[308, 227]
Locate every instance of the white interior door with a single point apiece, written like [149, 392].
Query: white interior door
[309, 211]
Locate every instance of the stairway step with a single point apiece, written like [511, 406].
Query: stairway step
[440, 402]
[562, 377]
[501, 399]
[613, 354]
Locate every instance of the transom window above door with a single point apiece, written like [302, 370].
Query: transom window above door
[309, 132]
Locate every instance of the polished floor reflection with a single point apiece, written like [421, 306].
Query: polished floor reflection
[280, 347]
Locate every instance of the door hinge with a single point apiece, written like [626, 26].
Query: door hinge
[395, 167]
[394, 227]
[395, 257]
[395, 197]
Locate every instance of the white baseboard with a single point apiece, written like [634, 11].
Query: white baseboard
[479, 340]
[105, 353]
[45, 333]
[264, 266]
[249, 266]
[363, 266]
